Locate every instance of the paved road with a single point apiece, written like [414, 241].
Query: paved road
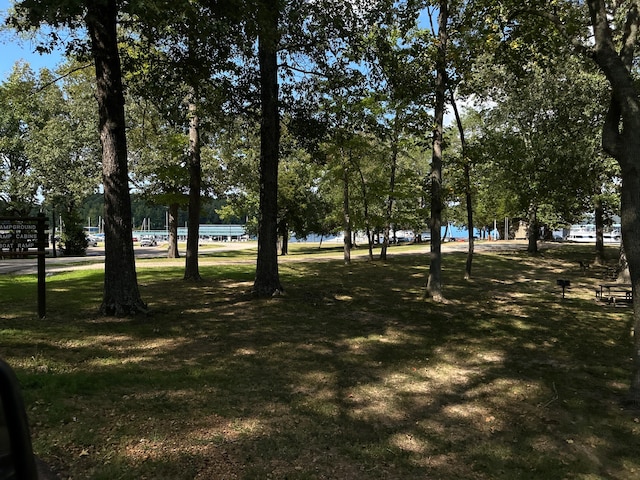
[95, 255]
[95, 258]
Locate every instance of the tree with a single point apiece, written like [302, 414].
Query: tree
[606, 202]
[434, 283]
[121, 294]
[541, 141]
[183, 51]
[621, 132]
[301, 209]
[157, 157]
[611, 42]
[468, 196]
[267, 279]
[65, 150]
[194, 162]
[19, 109]
[398, 53]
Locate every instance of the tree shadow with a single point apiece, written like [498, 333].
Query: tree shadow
[349, 375]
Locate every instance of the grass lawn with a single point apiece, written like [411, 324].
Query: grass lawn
[352, 374]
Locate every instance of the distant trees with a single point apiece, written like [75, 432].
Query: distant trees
[19, 109]
[50, 150]
[65, 151]
[541, 144]
[157, 158]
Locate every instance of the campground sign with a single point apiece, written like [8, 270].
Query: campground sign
[26, 237]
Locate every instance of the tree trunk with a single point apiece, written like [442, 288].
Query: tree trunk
[434, 284]
[392, 187]
[630, 224]
[346, 215]
[365, 206]
[599, 214]
[53, 233]
[622, 274]
[386, 238]
[467, 188]
[191, 270]
[533, 231]
[121, 295]
[267, 280]
[469, 199]
[284, 234]
[621, 139]
[172, 227]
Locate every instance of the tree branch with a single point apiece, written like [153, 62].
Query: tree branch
[630, 36]
[57, 79]
[302, 70]
[560, 26]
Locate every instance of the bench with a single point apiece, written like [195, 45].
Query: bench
[613, 293]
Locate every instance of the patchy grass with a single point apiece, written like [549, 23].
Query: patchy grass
[350, 374]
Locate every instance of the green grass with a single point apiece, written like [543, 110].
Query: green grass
[351, 374]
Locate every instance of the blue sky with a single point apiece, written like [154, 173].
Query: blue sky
[13, 49]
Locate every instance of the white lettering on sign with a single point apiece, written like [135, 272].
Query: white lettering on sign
[17, 226]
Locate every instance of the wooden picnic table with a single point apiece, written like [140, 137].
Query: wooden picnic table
[615, 292]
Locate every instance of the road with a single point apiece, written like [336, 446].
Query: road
[95, 258]
[95, 255]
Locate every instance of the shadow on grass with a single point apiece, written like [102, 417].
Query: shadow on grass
[351, 374]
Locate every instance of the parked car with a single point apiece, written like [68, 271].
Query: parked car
[148, 242]
[92, 241]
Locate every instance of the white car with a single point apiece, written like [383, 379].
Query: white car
[92, 241]
[148, 242]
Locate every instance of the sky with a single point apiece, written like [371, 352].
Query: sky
[13, 49]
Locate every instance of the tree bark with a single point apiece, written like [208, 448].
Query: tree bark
[630, 225]
[172, 227]
[53, 233]
[267, 280]
[365, 208]
[121, 295]
[192, 270]
[621, 139]
[284, 234]
[599, 218]
[434, 283]
[346, 215]
[467, 188]
[533, 230]
[392, 188]
[622, 271]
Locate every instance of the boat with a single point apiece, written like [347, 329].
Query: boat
[586, 233]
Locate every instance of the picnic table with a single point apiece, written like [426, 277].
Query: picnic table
[613, 293]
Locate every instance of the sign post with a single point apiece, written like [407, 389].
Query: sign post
[25, 237]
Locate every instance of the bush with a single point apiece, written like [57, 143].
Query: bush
[73, 239]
